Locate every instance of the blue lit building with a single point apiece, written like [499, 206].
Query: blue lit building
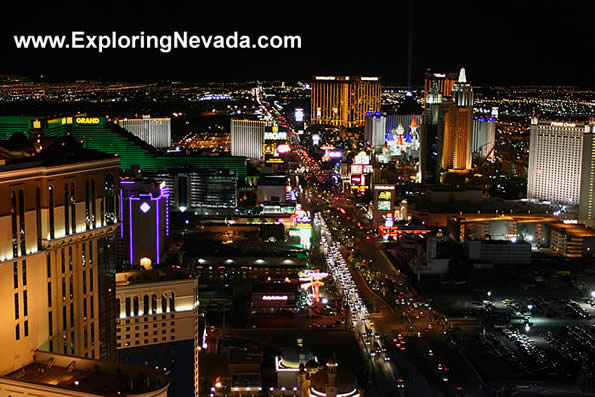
[145, 223]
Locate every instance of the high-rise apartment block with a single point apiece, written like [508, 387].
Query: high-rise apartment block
[344, 101]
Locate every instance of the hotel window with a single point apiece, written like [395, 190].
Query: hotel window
[49, 294]
[172, 302]
[73, 208]
[84, 281]
[50, 324]
[38, 216]
[13, 215]
[102, 212]
[24, 265]
[72, 342]
[91, 252]
[92, 308]
[93, 204]
[48, 263]
[16, 306]
[26, 328]
[25, 304]
[85, 308]
[146, 305]
[110, 215]
[135, 305]
[127, 307]
[15, 272]
[84, 254]
[64, 318]
[163, 304]
[66, 211]
[71, 315]
[70, 258]
[71, 286]
[17, 332]
[22, 221]
[87, 207]
[154, 304]
[63, 260]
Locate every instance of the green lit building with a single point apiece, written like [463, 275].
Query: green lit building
[212, 180]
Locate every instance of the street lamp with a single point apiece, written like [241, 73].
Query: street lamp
[530, 307]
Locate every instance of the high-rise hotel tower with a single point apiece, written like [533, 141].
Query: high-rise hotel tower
[558, 159]
[344, 101]
[58, 216]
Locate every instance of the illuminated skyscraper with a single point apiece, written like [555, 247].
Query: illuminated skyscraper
[484, 136]
[59, 214]
[145, 211]
[429, 163]
[586, 213]
[556, 161]
[247, 138]
[375, 130]
[457, 130]
[462, 92]
[344, 100]
[155, 131]
[456, 134]
[443, 82]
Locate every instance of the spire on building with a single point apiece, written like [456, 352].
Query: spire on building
[462, 76]
[413, 123]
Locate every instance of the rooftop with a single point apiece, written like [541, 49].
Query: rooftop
[103, 378]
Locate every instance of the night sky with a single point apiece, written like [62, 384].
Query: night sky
[499, 42]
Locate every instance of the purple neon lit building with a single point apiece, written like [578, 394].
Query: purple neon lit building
[145, 221]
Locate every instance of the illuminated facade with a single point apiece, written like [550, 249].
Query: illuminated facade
[375, 130]
[429, 160]
[443, 83]
[455, 137]
[145, 222]
[57, 224]
[484, 136]
[556, 160]
[456, 132]
[586, 211]
[247, 138]
[155, 307]
[155, 131]
[344, 101]
[201, 190]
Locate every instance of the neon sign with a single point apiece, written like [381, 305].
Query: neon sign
[275, 298]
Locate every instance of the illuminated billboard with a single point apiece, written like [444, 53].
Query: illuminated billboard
[299, 115]
[357, 169]
[384, 205]
[385, 195]
[275, 136]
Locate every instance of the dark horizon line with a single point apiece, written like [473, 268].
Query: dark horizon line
[385, 84]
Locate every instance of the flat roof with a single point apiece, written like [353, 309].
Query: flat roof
[104, 378]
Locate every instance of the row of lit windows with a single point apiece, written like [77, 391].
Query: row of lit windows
[132, 305]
